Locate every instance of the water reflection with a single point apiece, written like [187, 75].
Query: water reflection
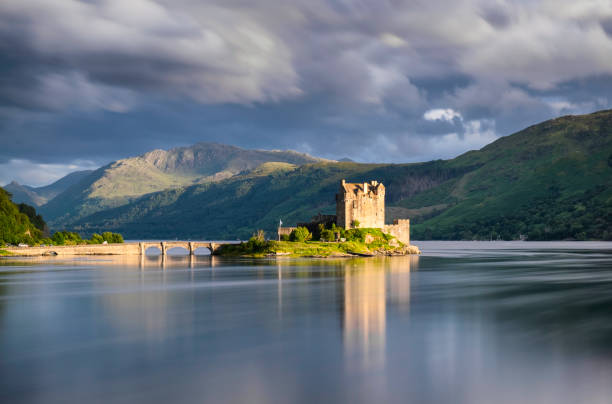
[490, 327]
[364, 311]
[119, 261]
[368, 286]
[398, 270]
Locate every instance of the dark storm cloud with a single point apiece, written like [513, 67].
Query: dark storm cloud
[496, 16]
[606, 25]
[373, 80]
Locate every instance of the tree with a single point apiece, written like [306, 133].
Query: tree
[327, 235]
[35, 218]
[96, 239]
[257, 243]
[15, 226]
[300, 234]
[112, 237]
[260, 235]
[66, 238]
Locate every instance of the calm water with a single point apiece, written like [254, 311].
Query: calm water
[463, 323]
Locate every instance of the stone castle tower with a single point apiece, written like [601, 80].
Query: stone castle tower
[362, 202]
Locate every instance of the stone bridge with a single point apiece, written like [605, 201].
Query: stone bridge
[190, 246]
[135, 248]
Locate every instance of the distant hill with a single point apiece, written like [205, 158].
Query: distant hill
[38, 196]
[121, 182]
[550, 181]
[24, 194]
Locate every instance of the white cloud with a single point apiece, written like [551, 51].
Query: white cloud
[441, 114]
[477, 134]
[392, 40]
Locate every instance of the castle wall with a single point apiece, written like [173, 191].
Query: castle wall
[341, 210]
[400, 229]
[362, 202]
[285, 231]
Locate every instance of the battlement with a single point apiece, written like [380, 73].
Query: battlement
[360, 202]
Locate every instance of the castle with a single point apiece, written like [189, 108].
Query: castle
[359, 205]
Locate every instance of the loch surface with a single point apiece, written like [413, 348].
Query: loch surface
[465, 322]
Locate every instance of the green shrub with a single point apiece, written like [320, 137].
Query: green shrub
[96, 239]
[355, 224]
[45, 241]
[327, 235]
[66, 238]
[284, 237]
[260, 235]
[112, 237]
[257, 243]
[300, 234]
[354, 235]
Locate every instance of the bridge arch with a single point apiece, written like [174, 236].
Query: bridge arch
[202, 251]
[152, 249]
[176, 246]
[178, 250]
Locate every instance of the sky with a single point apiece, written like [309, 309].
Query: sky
[83, 83]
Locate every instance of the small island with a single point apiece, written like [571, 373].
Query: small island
[365, 242]
[357, 229]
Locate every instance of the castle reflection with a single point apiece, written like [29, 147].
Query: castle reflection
[365, 304]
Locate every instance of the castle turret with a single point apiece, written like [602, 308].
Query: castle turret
[363, 203]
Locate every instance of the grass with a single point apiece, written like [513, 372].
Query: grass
[296, 249]
[4, 253]
[377, 246]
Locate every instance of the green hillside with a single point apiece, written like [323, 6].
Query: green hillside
[550, 181]
[15, 226]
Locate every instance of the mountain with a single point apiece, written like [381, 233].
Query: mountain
[38, 196]
[123, 181]
[49, 192]
[233, 208]
[550, 181]
[24, 194]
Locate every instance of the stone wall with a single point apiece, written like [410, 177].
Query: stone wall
[87, 249]
[400, 229]
[364, 203]
[285, 231]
